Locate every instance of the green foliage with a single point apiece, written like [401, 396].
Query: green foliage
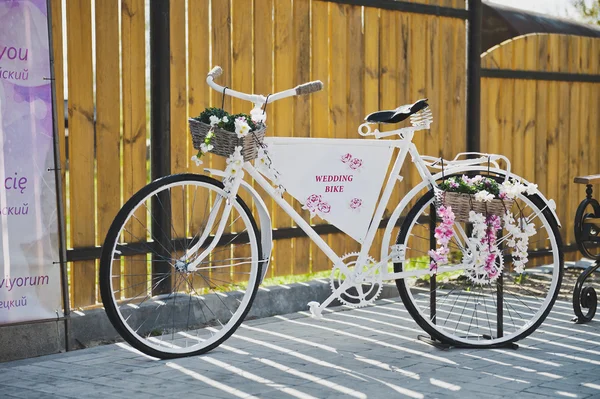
[230, 124]
[589, 12]
[457, 184]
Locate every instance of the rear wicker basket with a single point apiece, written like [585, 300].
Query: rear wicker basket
[462, 204]
[224, 142]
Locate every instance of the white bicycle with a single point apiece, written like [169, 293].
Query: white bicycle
[184, 257]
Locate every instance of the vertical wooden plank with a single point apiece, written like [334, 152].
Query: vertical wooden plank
[284, 259]
[134, 128]
[505, 138]
[404, 66]
[81, 148]
[108, 118]
[459, 100]
[263, 72]
[320, 101]
[199, 56]
[355, 97]
[541, 131]
[178, 119]
[178, 65]
[445, 70]
[388, 76]
[371, 84]
[517, 121]
[338, 37]
[530, 117]
[583, 113]
[302, 128]
[221, 50]
[241, 11]
[553, 112]
[432, 86]
[570, 137]
[221, 56]
[198, 93]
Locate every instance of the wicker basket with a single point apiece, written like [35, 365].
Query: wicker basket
[224, 142]
[462, 204]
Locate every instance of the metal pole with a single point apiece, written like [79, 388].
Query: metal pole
[474, 76]
[62, 253]
[160, 110]
[433, 277]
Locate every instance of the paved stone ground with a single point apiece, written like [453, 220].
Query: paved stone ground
[371, 352]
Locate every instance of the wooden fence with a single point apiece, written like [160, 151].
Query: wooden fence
[540, 98]
[540, 105]
[369, 59]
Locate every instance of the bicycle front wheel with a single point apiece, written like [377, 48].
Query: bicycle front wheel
[154, 297]
[456, 307]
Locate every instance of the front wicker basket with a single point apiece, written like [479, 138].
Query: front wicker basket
[224, 142]
[462, 204]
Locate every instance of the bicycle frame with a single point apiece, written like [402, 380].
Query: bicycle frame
[406, 147]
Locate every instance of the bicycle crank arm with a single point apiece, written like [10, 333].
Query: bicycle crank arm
[316, 309]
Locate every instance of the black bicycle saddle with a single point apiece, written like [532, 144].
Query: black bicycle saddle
[397, 115]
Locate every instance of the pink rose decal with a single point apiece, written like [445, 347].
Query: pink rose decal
[356, 163]
[324, 207]
[313, 201]
[346, 158]
[355, 203]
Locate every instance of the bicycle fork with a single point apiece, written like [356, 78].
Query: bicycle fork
[182, 263]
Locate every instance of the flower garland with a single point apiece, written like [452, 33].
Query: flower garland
[443, 234]
[264, 161]
[485, 228]
[484, 238]
[235, 162]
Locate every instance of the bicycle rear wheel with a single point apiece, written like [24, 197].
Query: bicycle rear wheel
[152, 298]
[455, 308]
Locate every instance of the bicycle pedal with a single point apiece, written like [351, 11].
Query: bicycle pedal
[315, 310]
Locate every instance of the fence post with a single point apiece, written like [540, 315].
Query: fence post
[474, 76]
[160, 134]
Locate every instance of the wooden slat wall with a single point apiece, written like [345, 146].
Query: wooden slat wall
[548, 129]
[368, 58]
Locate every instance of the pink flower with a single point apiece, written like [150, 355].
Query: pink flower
[355, 203]
[433, 267]
[356, 163]
[324, 207]
[346, 158]
[313, 201]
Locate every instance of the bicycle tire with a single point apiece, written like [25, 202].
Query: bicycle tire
[117, 304]
[437, 332]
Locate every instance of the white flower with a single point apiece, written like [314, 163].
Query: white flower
[225, 119]
[531, 188]
[241, 127]
[258, 115]
[197, 160]
[206, 147]
[214, 120]
[484, 196]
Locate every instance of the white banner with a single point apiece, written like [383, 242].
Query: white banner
[338, 180]
[30, 281]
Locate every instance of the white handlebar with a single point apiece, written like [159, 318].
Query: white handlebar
[305, 88]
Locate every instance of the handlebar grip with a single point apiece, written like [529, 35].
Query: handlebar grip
[308, 88]
[216, 72]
